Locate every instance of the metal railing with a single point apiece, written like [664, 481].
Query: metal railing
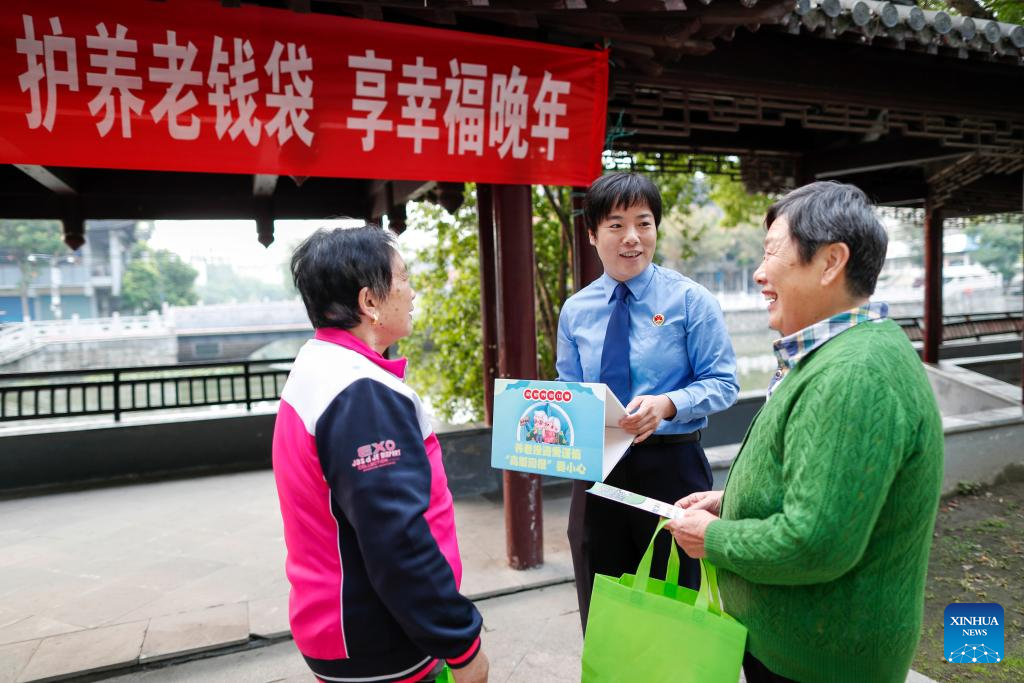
[115, 391]
[969, 326]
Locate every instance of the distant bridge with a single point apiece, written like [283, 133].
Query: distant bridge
[180, 334]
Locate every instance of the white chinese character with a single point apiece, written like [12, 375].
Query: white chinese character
[419, 104]
[292, 104]
[370, 83]
[241, 92]
[178, 73]
[49, 46]
[109, 79]
[464, 115]
[509, 104]
[549, 109]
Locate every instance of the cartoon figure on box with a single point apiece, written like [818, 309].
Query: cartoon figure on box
[539, 426]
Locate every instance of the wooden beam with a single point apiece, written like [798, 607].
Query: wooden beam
[263, 184]
[59, 182]
[386, 194]
[183, 206]
[488, 295]
[675, 40]
[932, 283]
[441, 17]
[264, 216]
[596, 22]
[899, 187]
[876, 156]
[772, 64]
[72, 222]
[517, 358]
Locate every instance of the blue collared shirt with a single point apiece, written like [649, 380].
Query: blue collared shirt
[678, 345]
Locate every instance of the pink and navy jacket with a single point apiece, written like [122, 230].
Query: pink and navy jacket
[368, 520]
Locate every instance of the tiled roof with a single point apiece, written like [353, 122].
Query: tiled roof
[910, 28]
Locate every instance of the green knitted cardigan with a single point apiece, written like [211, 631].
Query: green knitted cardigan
[828, 511]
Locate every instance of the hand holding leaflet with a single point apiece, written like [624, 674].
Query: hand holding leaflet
[657, 507]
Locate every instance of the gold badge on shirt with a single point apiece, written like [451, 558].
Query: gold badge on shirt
[658, 320]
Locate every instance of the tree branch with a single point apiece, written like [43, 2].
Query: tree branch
[563, 217]
[547, 314]
[970, 8]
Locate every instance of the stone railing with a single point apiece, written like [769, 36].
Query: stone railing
[17, 340]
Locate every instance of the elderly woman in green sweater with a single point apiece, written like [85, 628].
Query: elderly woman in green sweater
[822, 534]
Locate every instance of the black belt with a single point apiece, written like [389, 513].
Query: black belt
[666, 439]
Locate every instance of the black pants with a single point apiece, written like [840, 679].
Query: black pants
[756, 672]
[606, 537]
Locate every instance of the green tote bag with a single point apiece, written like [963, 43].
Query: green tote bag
[650, 631]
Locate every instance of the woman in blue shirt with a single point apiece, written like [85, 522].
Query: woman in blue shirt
[658, 340]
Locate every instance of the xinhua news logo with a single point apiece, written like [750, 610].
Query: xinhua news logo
[973, 633]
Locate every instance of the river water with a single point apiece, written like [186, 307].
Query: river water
[752, 340]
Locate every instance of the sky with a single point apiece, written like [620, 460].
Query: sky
[234, 242]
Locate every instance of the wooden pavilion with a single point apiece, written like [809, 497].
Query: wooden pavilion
[920, 109]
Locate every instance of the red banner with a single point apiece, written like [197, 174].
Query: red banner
[188, 85]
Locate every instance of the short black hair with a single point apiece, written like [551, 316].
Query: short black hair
[330, 268]
[619, 189]
[829, 212]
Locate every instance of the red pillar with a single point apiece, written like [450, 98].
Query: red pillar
[586, 267]
[517, 358]
[488, 295]
[932, 282]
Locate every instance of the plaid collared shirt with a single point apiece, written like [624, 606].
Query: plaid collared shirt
[792, 349]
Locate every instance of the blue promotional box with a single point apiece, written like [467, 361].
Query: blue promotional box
[562, 429]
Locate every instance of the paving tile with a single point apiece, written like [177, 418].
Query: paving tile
[47, 589]
[91, 556]
[268, 617]
[233, 584]
[13, 659]
[274, 663]
[33, 553]
[547, 667]
[554, 570]
[510, 612]
[8, 616]
[104, 605]
[489, 578]
[89, 651]
[195, 631]
[32, 628]
[167, 574]
[14, 579]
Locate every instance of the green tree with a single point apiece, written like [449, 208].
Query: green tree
[445, 350]
[739, 207]
[1000, 244]
[225, 285]
[446, 358]
[552, 267]
[156, 276]
[19, 240]
[1011, 11]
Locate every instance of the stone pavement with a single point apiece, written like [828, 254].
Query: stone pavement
[131, 581]
[107, 578]
[529, 637]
